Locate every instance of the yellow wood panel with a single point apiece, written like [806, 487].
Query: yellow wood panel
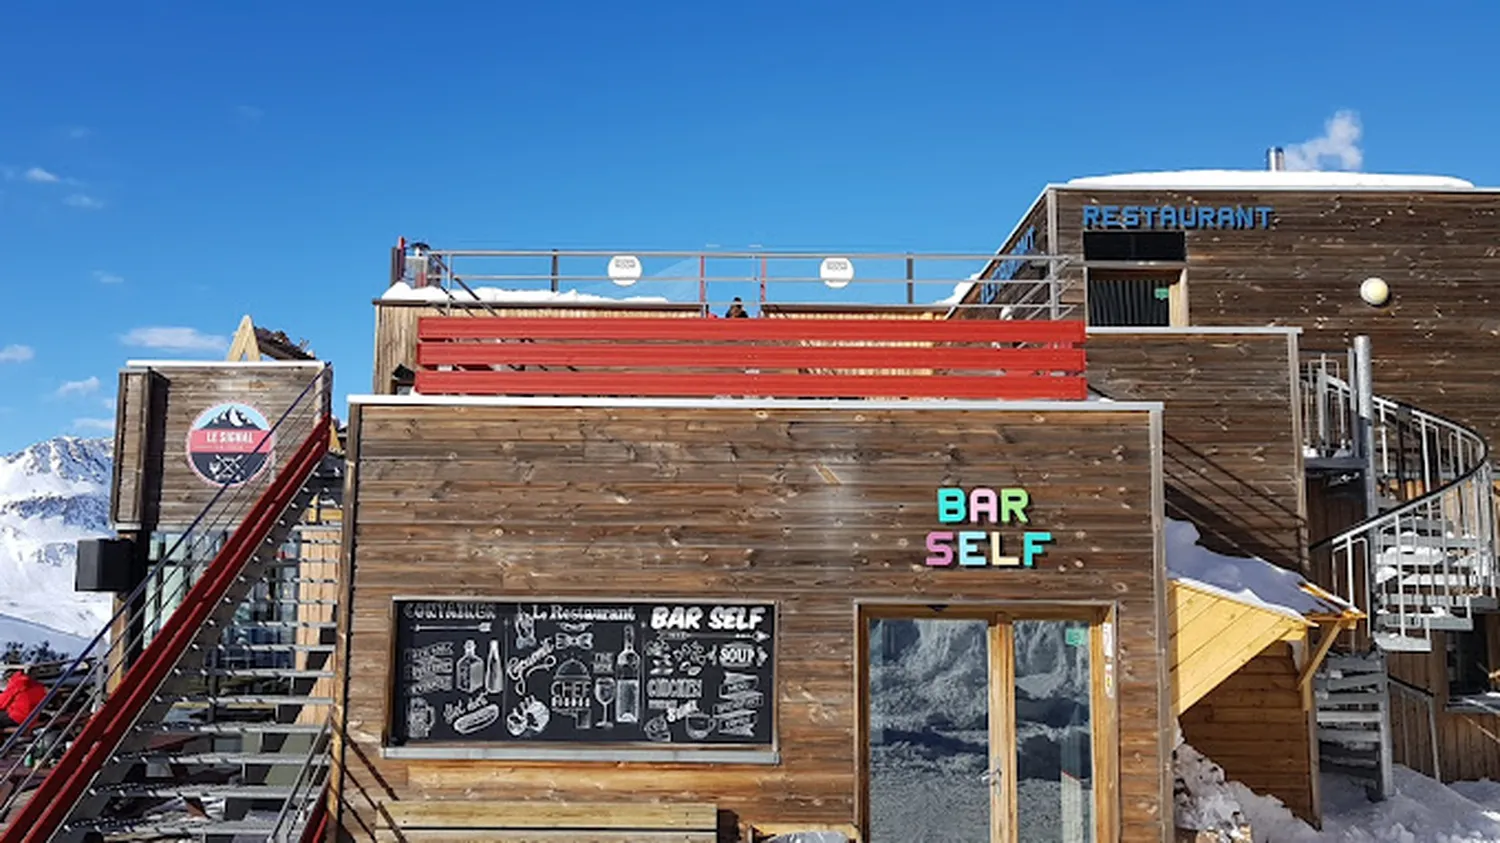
[1212, 635]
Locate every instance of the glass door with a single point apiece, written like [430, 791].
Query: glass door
[980, 726]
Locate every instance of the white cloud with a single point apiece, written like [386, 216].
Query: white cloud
[107, 277]
[84, 387]
[249, 113]
[84, 201]
[16, 353]
[40, 176]
[94, 424]
[175, 339]
[1340, 141]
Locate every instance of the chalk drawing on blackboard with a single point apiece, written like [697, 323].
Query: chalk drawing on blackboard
[660, 653]
[604, 692]
[574, 627]
[525, 631]
[698, 725]
[430, 668]
[477, 719]
[692, 657]
[494, 670]
[572, 693]
[529, 717]
[604, 664]
[419, 717]
[628, 676]
[469, 672]
[482, 626]
[657, 730]
[518, 668]
[568, 641]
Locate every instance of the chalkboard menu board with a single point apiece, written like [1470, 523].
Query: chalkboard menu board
[653, 673]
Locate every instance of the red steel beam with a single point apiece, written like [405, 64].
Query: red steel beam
[751, 330]
[54, 800]
[768, 356]
[1016, 387]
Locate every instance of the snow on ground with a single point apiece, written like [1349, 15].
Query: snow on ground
[401, 291]
[1249, 579]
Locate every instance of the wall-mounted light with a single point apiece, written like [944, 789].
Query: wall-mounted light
[624, 270]
[836, 272]
[1375, 292]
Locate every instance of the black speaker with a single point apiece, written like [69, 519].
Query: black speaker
[106, 565]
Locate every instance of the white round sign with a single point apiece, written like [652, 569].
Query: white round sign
[836, 272]
[624, 269]
[1375, 291]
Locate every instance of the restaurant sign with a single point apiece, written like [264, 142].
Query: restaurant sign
[976, 548]
[1178, 217]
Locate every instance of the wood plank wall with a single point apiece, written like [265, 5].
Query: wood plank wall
[1231, 440]
[396, 326]
[174, 493]
[1468, 741]
[1436, 346]
[1257, 725]
[674, 502]
[133, 415]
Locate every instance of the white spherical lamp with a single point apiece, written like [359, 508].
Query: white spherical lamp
[1375, 292]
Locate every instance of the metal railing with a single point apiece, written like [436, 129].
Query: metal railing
[103, 663]
[1032, 286]
[1423, 563]
[306, 792]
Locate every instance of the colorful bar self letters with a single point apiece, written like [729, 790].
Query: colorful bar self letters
[982, 548]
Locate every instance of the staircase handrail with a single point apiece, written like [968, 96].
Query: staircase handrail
[300, 798]
[1472, 436]
[207, 521]
[126, 610]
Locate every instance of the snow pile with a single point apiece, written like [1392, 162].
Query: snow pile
[1202, 799]
[1229, 179]
[401, 291]
[1422, 810]
[51, 495]
[1248, 579]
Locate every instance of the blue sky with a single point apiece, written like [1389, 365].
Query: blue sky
[164, 172]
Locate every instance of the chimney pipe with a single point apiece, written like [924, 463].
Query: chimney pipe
[1276, 159]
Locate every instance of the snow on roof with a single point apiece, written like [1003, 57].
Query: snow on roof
[1272, 179]
[1248, 580]
[401, 291]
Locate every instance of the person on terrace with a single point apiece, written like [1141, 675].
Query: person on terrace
[21, 696]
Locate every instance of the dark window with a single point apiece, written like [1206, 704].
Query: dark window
[1134, 246]
[1129, 302]
[1469, 660]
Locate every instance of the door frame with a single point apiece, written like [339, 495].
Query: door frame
[1000, 615]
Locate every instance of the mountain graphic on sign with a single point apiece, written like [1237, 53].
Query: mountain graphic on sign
[231, 418]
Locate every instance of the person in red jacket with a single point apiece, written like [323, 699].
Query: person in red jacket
[21, 696]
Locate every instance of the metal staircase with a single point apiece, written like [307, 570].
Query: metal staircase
[217, 673]
[1423, 561]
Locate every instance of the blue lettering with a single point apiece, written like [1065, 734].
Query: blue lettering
[1147, 213]
[1162, 217]
[1226, 218]
[970, 555]
[1168, 216]
[1188, 215]
[1090, 215]
[1263, 215]
[1207, 217]
[1244, 218]
[1130, 216]
[1109, 215]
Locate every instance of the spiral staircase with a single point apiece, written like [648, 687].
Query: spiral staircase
[1423, 561]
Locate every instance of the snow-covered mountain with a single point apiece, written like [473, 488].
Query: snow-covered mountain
[51, 495]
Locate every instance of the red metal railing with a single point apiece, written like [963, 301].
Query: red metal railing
[822, 358]
[54, 799]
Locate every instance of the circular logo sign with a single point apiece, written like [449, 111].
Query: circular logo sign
[230, 444]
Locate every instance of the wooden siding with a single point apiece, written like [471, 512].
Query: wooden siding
[1258, 726]
[396, 326]
[1214, 635]
[815, 508]
[133, 451]
[1231, 439]
[1436, 346]
[174, 494]
[1467, 741]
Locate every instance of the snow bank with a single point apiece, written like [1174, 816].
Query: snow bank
[401, 291]
[1249, 579]
[1422, 810]
[1229, 179]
